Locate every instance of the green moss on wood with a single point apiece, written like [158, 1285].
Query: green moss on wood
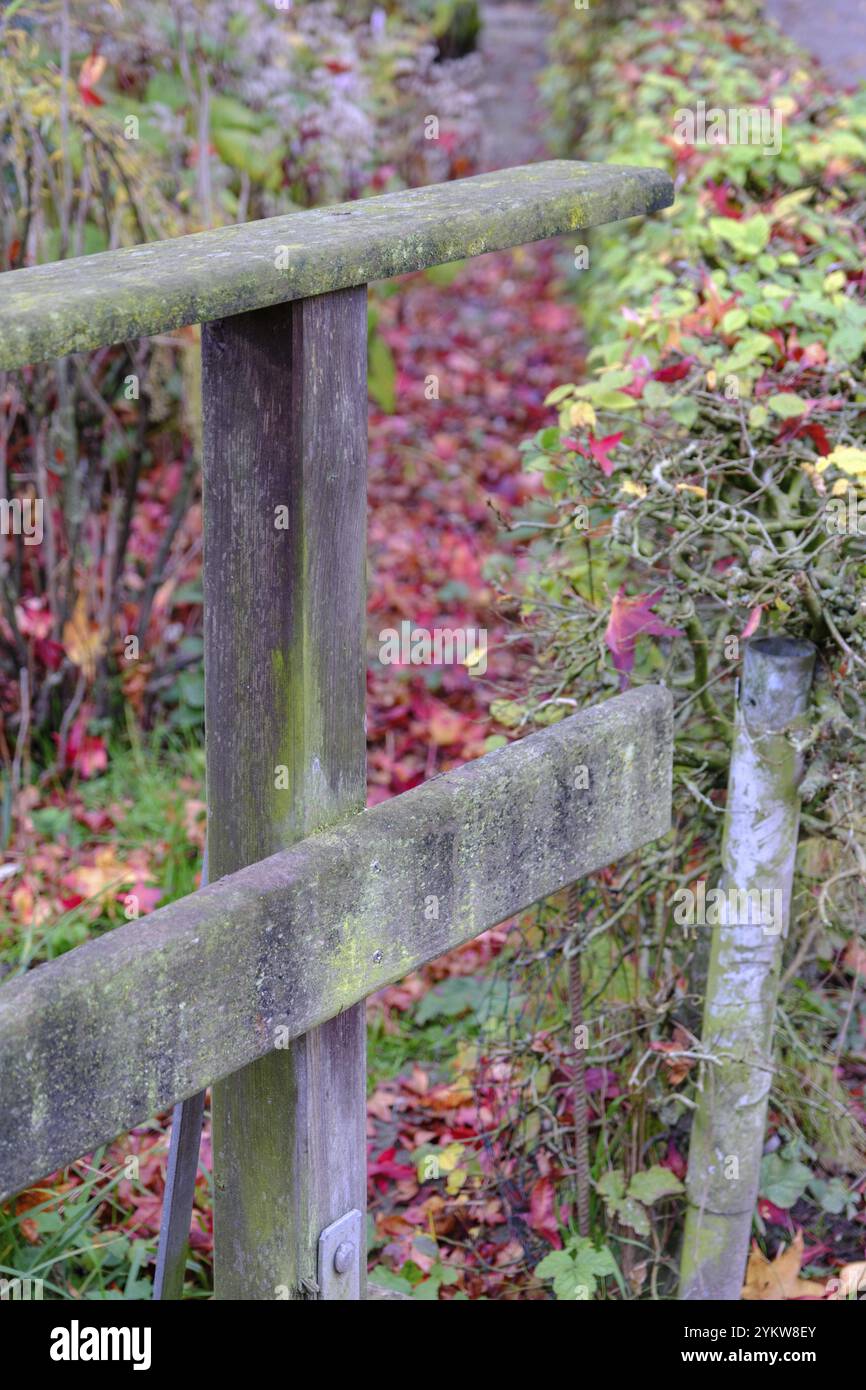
[75, 306]
[123, 1027]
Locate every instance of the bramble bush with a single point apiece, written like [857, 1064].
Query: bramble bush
[707, 482]
[125, 124]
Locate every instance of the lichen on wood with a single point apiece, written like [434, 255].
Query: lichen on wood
[69, 306]
[758, 852]
[124, 1026]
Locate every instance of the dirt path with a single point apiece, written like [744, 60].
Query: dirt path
[835, 32]
[513, 50]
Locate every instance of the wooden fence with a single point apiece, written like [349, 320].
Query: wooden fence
[255, 984]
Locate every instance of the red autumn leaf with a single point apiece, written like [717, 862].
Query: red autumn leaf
[91, 70]
[542, 1212]
[721, 202]
[49, 652]
[776, 1215]
[385, 1167]
[674, 1160]
[675, 372]
[795, 429]
[598, 449]
[753, 621]
[631, 618]
[85, 753]
[34, 618]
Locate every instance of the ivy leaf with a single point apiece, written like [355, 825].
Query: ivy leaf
[611, 1186]
[783, 1182]
[631, 1213]
[653, 1184]
[575, 1272]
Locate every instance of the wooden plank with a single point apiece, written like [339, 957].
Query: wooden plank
[177, 1200]
[181, 1173]
[285, 503]
[76, 305]
[123, 1027]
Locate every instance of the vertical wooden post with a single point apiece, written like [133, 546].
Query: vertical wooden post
[759, 849]
[285, 451]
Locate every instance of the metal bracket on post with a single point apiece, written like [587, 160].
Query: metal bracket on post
[339, 1262]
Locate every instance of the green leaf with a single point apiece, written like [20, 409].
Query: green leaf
[787, 405]
[655, 394]
[575, 1272]
[244, 150]
[685, 411]
[631, 1213]
[734, 320]
[226, 110]
[748, 237]
[554, 1263]
[590, 1262]
[654, 1183]
[833, 1196]
[387, 1279]
[427, 1291]
[558, 394]
[548, 438]
[611, 1186]
[783, 1183]
[381, 373]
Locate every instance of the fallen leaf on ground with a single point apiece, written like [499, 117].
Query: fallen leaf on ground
[776, 1281]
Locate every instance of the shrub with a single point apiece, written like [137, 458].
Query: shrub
[708, 479]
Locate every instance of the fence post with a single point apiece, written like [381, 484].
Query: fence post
[285, 453]
[758, 852]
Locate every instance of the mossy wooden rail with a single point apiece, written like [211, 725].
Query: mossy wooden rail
[256, 983]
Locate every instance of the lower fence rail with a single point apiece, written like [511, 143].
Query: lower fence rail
[126, 1026]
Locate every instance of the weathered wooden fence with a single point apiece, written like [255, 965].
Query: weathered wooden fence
[256, 983]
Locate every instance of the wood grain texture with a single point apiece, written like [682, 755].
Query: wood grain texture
[124, 1026]
[285, 422]
[76, 305]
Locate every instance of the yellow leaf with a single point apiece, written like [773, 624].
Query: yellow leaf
[632, 489]
[775, 1281]
[449, 1157]
[692, 487]
[582, 413]
[456, 1181]
[106, 873]
[846, 458]
[814, 476]
[839, 488]
[83, 640]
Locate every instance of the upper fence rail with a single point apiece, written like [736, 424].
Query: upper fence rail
[88, 302]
